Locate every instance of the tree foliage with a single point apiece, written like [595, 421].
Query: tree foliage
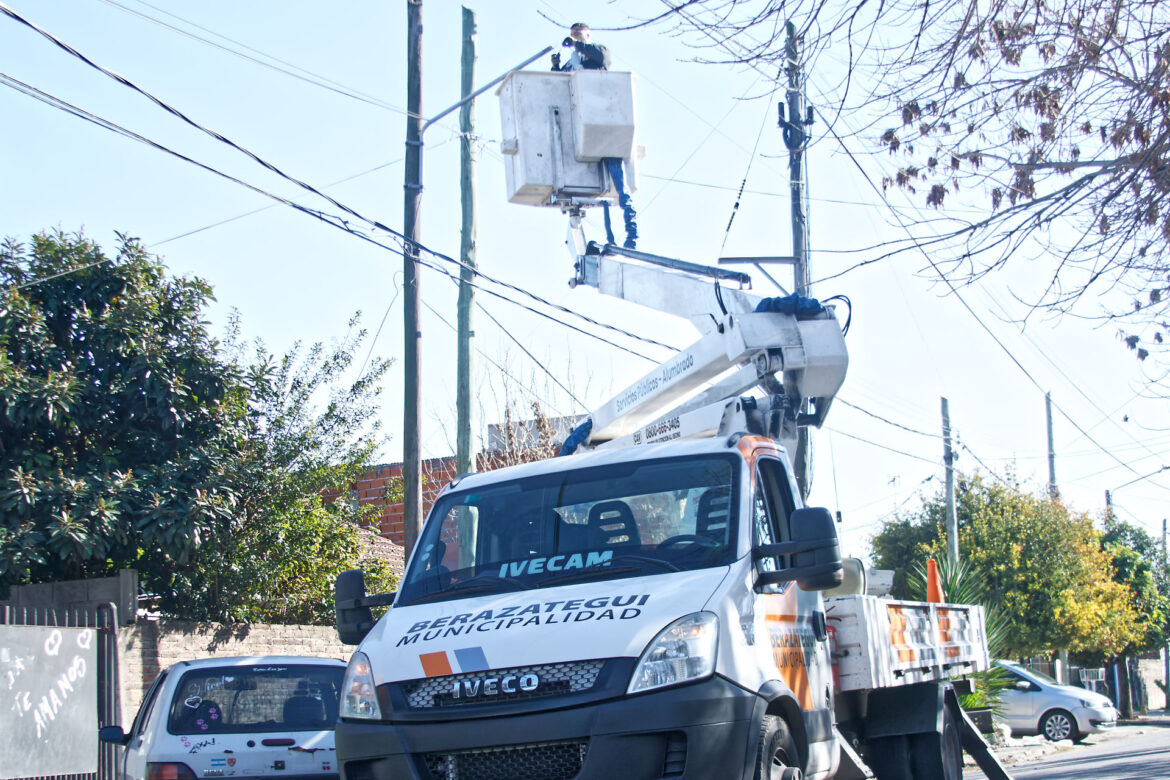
[117, 416]
[1052, 117]
[131, 438]
[1044, 566]
[1139, 564]
[310, 432]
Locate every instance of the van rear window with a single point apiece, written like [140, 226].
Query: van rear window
[252, 699]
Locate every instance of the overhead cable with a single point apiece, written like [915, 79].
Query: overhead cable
[329, 219]
[310, 188]
[309, 77]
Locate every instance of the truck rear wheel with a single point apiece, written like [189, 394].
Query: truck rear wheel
[776, 758]
[938, 754]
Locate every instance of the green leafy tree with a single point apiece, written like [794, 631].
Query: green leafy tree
[130, 438]
[1044, 567]
[118, 418]
[1138, 564]
[310, 433]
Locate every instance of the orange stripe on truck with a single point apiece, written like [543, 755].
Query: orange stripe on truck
[790, 643]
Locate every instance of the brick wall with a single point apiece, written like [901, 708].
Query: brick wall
[149, 646]
[371, 487]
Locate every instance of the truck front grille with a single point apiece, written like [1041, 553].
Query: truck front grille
[538, 761]
[554, 680]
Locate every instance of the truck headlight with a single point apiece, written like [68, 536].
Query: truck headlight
[682, 652]
[359, 698]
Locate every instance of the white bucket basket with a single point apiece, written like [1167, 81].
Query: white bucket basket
[557, 127]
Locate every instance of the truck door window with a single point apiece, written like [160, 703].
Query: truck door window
[771, 506]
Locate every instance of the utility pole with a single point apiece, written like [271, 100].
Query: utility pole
[1054, 495]
[464, 462]
[1165, 650]
[415, 130]
[795, 133]
[949, 463]
[411, 413]
[1053, 491]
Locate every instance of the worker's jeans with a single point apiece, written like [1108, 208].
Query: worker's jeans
[616, 174]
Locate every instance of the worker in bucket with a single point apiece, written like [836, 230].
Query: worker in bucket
[587, 55]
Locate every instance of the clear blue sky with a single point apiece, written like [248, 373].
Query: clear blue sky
[294, 279]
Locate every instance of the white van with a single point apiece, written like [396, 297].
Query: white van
[248, 717]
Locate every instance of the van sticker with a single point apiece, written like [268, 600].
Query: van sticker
[539, 614]
[554, 563]
[467, 659]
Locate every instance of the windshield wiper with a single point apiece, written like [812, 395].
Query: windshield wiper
[479, 583]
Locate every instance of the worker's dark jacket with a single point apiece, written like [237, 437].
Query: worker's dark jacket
[593, 56]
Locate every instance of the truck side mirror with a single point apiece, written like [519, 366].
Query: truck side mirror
[815, 552]
[354, 619]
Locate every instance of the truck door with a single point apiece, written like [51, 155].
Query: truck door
[794, 618]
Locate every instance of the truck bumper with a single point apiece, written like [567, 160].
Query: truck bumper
[702, 730]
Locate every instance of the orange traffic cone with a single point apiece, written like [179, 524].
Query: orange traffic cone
[934, 590]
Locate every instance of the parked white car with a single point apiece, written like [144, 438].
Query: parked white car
[1038, 704]
[261, 716]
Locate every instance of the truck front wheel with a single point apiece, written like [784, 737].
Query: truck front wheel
[777, 758]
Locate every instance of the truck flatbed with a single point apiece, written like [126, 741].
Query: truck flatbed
[884, 643]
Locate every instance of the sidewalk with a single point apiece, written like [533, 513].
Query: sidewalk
[1014, 751]
[1151, 718]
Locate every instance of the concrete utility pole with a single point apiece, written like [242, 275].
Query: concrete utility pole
[464, 458]
[411, 412]
[795, 133]
[1053, 491]
[1054, 494]
[949, 463]
[1166, 650]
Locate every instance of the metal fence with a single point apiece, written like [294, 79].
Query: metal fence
[104, 620]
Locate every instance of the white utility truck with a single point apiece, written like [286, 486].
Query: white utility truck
[653, 605]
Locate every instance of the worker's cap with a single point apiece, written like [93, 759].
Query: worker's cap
[578, 27]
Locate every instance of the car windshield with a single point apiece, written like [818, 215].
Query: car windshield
[620, 520]
[227, 699]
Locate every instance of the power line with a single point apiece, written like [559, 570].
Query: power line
[333, 201]
[840, 432]
[253, 212]
[888, 422]
[501, 369]
[309, 77]
[328, 219]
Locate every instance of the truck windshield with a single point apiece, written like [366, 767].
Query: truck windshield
[620, 520]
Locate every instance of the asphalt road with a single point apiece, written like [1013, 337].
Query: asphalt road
[1128, 753]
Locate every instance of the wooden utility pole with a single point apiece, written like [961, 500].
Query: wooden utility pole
[795, 133]
[464, 459]
[411, 413]
[949, 464]
[1053, 491]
